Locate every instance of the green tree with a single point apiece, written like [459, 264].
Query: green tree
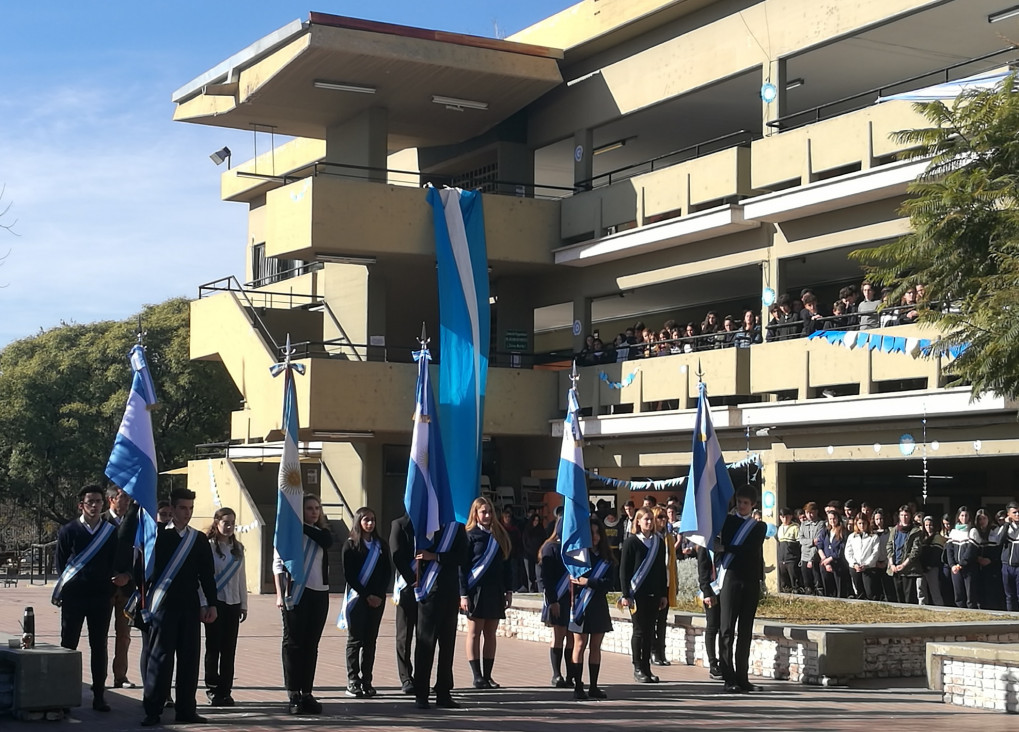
[63, 393]
[964, 245]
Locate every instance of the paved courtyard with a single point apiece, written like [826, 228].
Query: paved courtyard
[686, 698]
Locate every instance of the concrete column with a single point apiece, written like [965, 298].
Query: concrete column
[362, 142]
[583, 158]
[516, 317]
[773, 72]
[376, 316]
[774, 474]
[516, 169]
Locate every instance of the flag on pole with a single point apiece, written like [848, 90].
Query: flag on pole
[464, 327]
[708, 489]
[132, 463]
[426, 498]
[571, 483]
[288, 539]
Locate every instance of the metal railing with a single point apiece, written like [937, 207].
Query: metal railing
[866, 98]
[285, 274]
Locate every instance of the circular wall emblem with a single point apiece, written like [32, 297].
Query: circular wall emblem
[577, 327]
[578, 153]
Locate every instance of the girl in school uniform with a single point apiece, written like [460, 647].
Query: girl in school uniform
[485, 583]
[590, 619]
[961, 554]
[304, 616]
[367, 573]
[644, 583]
[231, 607]
[555, 610]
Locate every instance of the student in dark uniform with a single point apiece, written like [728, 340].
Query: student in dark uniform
[485, 588]
[176, 614]
[438, 602]
[85, 558]
[712, 609]
[401, 543]
[119, 507]
[590, 621]
[741, 564]
[302, 626]
[644, 585]
[367, 574]
[231, 607]
[555, 610]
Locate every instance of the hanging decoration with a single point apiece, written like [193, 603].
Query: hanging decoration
[618, 384]
[217, 501]
[667, 483]
[851, 339]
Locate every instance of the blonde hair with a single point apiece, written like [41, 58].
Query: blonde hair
[497, 530]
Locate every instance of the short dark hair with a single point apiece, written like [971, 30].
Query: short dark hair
[651, 499]
[629, 504]
[747, 491]
[785, 512]
[162, 503]
[88, 489]
[181, 494]
[112, 490]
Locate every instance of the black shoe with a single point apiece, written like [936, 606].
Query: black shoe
[733, 689]
[748, 687]
[354, 690]
[190, 719]
[641, 677]
[558, 682]
[651, 678]
[368, 690]
[422, 704]
[715, 673]
[491, 684]
[481, 684]
[660, 661]
[296, 705]
[446, 702]
[168, 704]
[123, 684]
[221, 701]
[407, 687]
[579, 694]
[311, 704]
[595, 693]
[100, 705]
[150, 721]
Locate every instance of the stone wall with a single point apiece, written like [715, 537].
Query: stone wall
[980, 675]
[819, 655]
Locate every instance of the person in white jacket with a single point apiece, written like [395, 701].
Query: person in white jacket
[864, 553]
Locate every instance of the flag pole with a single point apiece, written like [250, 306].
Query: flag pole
[423, 342]
[142, 593]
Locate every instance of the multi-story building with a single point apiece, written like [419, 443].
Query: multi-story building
[632, 172]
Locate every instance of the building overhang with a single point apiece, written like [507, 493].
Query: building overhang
[694, 227]
[271, 84]
[844, 191]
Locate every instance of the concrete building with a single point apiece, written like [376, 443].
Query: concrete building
[632, 172]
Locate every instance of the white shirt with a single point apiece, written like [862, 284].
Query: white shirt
[865, 549]
[91, 529]
[236, 590]
[314, 580]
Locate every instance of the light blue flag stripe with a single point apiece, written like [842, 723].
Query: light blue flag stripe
[571, 483]
[288, 538]
[464, 328]
[709, 488]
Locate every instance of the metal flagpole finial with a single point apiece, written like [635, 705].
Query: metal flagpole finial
[140, 334]
[574, 376]
[424, 339]
[287, 363]
[700, 372]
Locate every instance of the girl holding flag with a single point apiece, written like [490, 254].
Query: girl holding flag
[231, 607]
[590, 619]
[644, 586]
[555, 609]
[484, 587]
[367, 573]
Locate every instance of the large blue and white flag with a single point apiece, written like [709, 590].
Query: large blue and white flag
[426, 498]
[288, 539]
[571, 483]
[464, 326]
[132, 464]
[709, 488]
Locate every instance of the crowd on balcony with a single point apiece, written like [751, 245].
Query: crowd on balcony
[855, 309]
[969, 559]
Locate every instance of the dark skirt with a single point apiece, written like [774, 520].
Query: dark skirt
[564, 613]
[487, 601]
[596, 618]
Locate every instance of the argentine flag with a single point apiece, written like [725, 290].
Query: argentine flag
[464, 326]
[132, 464]
[709, 488]
[426, 498]
[289, 537]
[571, 483]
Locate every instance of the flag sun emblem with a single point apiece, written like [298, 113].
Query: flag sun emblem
[291, 480]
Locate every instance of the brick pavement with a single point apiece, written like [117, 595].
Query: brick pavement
[686, 698]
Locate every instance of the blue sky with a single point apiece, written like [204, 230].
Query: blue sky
[116, 206]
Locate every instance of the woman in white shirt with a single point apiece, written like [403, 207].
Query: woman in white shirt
[231, 608]
[864, 553]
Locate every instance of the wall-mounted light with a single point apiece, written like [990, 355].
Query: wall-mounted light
[341, 435]
[221, 155]
[607, 147]
[458, 104]
[585, 77]
[794, 84]
[337, 86]
[1003, 14]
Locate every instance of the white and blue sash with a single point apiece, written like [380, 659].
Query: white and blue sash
[484, 562]
[350, 596]
[586, 594]
[170, 572]
[312, 554]
[400, 584]
[424, 588]
[226, 574]
[645, 566]
[561, 587]
[99, 539]
[723, 565]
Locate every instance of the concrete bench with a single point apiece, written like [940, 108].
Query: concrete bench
[44, 679]
[980, 675]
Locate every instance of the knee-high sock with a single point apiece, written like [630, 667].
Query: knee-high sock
[476, 669]
[556, 657]
[487, 664]
[594, 668]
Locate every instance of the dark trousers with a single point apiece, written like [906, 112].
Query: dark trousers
[437, 616]
[836, 583]
[965, 587]
[406, 620]
[811, 578]
[905, 588]
[867, 584]
[95, 610]
[661, 621]
[302, 630]
[221, 650]
[643, 632]
[1010, 581]
[991, 592]
[789, 576]
[531, 565]
[174, 631]
[362, 638]
[739, 600]
[712, 624]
